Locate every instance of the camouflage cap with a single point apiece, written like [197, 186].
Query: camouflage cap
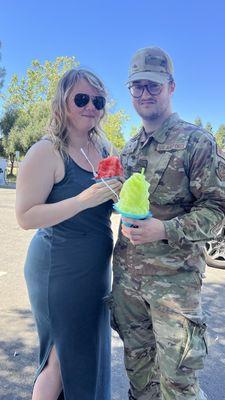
[151, 63]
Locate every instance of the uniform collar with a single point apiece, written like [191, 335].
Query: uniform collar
[160, 134]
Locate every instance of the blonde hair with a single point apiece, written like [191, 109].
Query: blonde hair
[57, 130]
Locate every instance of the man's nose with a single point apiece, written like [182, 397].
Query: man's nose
[146, 93]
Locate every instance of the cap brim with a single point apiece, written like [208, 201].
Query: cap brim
[148, 75]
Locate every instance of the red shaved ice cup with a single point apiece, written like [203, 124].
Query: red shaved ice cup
[109, 168]
[112, 160]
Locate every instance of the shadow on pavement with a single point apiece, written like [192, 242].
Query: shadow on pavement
[18, 352]
[212, 377]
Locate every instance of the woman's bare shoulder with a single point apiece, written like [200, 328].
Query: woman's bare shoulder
[43, 150]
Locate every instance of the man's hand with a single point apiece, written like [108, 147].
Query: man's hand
[145, 231]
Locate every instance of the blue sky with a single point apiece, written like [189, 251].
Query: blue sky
[103, 35]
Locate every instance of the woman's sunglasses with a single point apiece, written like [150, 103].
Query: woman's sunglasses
[82, 99]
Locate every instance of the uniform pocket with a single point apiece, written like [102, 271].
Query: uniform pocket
[158, 172]
[195, 347]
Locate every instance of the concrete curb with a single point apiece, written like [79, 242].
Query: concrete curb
[8, 186]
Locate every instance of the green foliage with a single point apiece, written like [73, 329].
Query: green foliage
[28, 129]
[6, 125]
[30, 99]
[8, 120]
[27, 106]
[220, 136]
[2, 71]
[113, 128]
[198, 122]
[209, 127]
[2, 149]
[134, 130]
[39, 84]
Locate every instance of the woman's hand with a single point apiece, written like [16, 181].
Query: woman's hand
[99, 193]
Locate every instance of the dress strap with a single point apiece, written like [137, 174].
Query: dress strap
[105, 152]
[46, 139]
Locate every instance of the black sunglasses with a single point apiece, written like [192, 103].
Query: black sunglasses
[82, 99]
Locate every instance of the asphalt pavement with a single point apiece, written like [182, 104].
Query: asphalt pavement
[18, 340]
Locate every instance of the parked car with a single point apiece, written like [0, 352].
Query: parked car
[215, 251]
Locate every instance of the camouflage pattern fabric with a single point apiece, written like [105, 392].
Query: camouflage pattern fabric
[160, 322]
[187, 192]
[156, 293]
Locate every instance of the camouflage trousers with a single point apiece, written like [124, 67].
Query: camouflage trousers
[159, 319]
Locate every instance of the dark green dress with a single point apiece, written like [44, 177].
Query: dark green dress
[67, 271]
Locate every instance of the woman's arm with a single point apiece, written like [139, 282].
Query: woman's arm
[36, 177]
[37, 174]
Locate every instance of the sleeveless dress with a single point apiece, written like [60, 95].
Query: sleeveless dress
[67, 271]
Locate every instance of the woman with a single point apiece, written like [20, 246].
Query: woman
[67, 266]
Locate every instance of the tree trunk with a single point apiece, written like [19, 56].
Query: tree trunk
[12, 159]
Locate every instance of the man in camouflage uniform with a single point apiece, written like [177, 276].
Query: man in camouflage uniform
[159, 264]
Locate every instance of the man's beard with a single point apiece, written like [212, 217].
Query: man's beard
[155, 114]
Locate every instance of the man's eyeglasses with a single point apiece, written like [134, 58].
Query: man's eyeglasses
[82, 99]
[153, 88]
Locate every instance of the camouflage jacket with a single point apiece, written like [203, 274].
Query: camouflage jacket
[186, 172]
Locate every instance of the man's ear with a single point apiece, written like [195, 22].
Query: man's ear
[172, 87]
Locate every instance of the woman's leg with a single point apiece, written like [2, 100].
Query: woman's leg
[49, 383]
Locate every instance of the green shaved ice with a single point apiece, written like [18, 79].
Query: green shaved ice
[134, 195]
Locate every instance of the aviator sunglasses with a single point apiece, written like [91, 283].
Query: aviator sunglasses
[82, 99]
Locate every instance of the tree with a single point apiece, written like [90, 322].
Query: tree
[134, 130]
[31, 98]
[220, 136]
[198, 122]
[2, 150]
[39, 84]
[29, 128]
[113, 128]
[6, 125]
[8, 120]
[209, 128]
[2, 71]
